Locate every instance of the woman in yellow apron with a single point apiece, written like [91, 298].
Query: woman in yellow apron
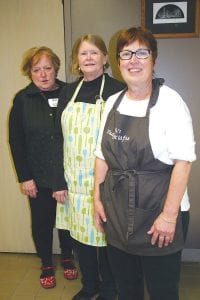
[81, 109]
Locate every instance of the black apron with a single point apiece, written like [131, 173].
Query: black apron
[136, 184]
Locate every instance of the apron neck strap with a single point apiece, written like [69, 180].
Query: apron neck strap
[99, 96]
[119, 99]
[117, 102]
[79, 87]
[102, 86]
[76, 91]
[156, 83]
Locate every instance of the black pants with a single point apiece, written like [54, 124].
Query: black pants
[161, 273]
[95, 269]
[43, 213]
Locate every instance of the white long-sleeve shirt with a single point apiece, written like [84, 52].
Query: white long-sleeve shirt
[170, 127]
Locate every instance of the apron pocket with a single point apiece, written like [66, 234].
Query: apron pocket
[142, 222]
[139, 241]
[116, 226]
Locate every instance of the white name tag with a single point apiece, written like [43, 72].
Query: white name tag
[53, 102]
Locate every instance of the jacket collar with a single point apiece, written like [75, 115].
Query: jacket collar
[32, 89]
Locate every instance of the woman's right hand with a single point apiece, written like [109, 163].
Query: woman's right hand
[29, 188]
[60, 196]
[101, 169]
[99, 215]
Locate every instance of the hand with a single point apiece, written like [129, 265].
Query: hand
[162, 232]
[29, 188]
[99, 215]
[60, 196]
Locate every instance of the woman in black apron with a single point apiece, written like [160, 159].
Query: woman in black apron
[141, 173]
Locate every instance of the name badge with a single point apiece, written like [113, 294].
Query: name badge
[53, 102]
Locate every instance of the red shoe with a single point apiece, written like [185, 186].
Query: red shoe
[70, 271]
[47, 282]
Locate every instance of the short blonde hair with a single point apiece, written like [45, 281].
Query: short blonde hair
[90, 38]
[33, 55]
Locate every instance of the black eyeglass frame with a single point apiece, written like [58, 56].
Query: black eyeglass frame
[134, 52]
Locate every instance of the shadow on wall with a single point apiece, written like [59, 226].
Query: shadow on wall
[112, 56]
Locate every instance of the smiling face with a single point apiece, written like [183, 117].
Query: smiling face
[136, 72]
[91, 61]
[43, 73]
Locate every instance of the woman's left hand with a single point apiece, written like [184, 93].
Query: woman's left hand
[60, 196]
[162, 232]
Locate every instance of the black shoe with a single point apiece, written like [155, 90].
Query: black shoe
[84, 295]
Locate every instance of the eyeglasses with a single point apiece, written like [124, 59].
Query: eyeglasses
[139, 53]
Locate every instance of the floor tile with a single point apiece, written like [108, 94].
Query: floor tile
[19, 280]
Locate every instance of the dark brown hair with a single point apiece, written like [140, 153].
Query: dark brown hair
[140, 34]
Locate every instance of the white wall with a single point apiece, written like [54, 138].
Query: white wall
[23, 24]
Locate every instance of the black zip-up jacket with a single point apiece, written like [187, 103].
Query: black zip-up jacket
[34, 140]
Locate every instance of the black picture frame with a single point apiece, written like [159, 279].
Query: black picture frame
[171, 19]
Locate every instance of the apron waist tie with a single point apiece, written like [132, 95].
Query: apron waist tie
[130, 173]
[132, 176]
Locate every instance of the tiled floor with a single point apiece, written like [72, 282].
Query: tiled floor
[19, 280]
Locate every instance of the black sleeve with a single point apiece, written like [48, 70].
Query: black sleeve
[59, 182]
[112, 86]
[17, 140]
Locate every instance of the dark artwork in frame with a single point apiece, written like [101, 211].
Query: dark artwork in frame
[171, 19]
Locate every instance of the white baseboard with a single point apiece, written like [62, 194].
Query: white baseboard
[191, 255]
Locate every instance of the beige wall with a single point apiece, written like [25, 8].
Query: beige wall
[23, 24]
[103, 17]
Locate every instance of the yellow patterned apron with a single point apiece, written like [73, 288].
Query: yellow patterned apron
[80, 125]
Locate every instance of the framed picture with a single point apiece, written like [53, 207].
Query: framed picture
[171, 19]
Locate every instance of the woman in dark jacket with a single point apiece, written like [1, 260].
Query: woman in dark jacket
[33, 142]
